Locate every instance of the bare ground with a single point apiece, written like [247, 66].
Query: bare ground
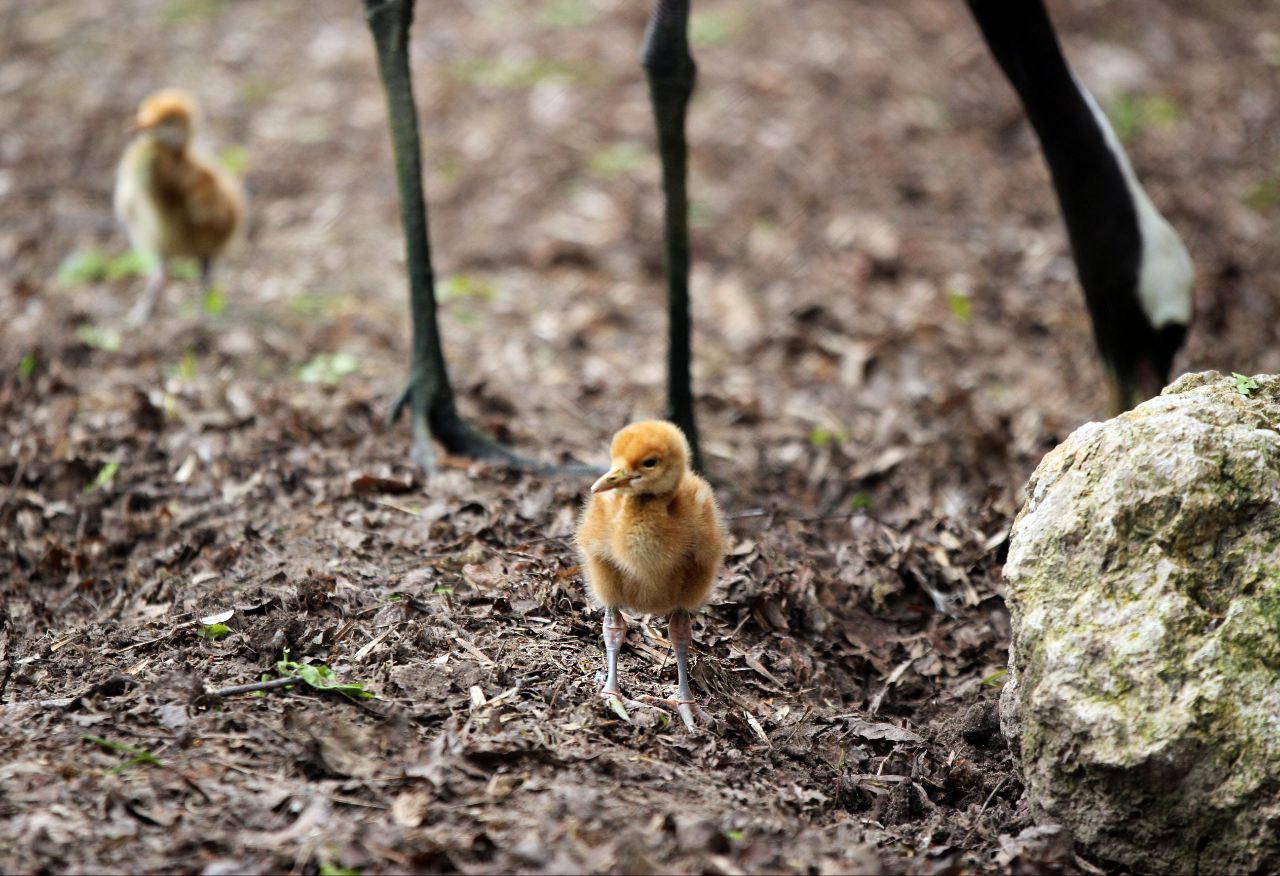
[888, 336]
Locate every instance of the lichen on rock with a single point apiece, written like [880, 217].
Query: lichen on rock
[1144, 587]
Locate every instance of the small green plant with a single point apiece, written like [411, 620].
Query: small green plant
[821, 436]
[234, 158]
[617, 159]
[995, 679]
[861, 501]
[27, 366]
[99, 338]
[960, 305]
[1265, 195]
[106, 475]
[93, 265]
[213, 632]
[328, 869]
[567, 13]
[1134, 114]
[140, 755]
[712, 28]
[464, 286]
[214, 301]
[186, 369]
[1245, 385]
[319, 676]
[328, 368]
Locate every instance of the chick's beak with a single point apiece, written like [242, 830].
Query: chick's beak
[613, 480]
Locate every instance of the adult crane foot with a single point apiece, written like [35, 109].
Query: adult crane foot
[460, 438]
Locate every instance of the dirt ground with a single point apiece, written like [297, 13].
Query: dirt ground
[889, 337]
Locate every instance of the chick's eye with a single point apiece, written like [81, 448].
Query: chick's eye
[650, 462]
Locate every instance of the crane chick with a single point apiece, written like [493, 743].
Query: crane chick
[173, 201]
[651, 540]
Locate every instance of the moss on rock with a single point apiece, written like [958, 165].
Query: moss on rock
[1144, 586]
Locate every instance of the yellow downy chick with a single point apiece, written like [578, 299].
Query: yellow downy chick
[172, 200]
[651, 540]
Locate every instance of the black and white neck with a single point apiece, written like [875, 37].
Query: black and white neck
[1135, 271]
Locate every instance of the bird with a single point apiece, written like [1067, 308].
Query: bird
[652, 540]
[172, 200]
[428, 394]
[1136, 273]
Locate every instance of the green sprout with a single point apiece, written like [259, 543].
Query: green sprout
[1245, 385]
[995, 679]
[99, 338]
[105, 476]
[319, 676]
[140, 755]
[328, 368]
[213, 632]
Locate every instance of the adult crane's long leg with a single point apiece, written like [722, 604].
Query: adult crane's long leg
[1135, 271]
[428, 394]
[671, 73]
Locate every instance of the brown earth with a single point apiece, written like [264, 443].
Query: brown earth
[889, 336]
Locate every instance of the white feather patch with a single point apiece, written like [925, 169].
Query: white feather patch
[1165, 274]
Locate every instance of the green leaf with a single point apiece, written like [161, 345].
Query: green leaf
[461, 286]
[1264, 195]
[1133, 114]
[319, 677]
[712, 28]
[961, 306]
[617, 159]
[1245, 385]
[821, 436]
[328, 368]
[99, 338]
[327, 869]
[106, 475]
[567, 13]
[213, 632]
[27, 366]
[83, 266]
[130, 264]
[140, 755]
[995, 679]
[214, 302]
[861, 501]
[734, 835]
[234, 158]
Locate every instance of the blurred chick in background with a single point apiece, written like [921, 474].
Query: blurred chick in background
[651, 540]
[173, 201]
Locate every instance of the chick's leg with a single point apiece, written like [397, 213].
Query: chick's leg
[615, 632]
[681, 634]
[141, 310]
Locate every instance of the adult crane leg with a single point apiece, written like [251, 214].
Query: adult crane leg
[428, 396]
[671, 73]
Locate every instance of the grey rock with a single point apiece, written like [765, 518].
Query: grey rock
[1144, 587]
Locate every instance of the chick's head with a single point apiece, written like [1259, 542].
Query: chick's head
[168, 116]
[648, 458]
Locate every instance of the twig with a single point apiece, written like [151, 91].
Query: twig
[976, 818]
[255, 686]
